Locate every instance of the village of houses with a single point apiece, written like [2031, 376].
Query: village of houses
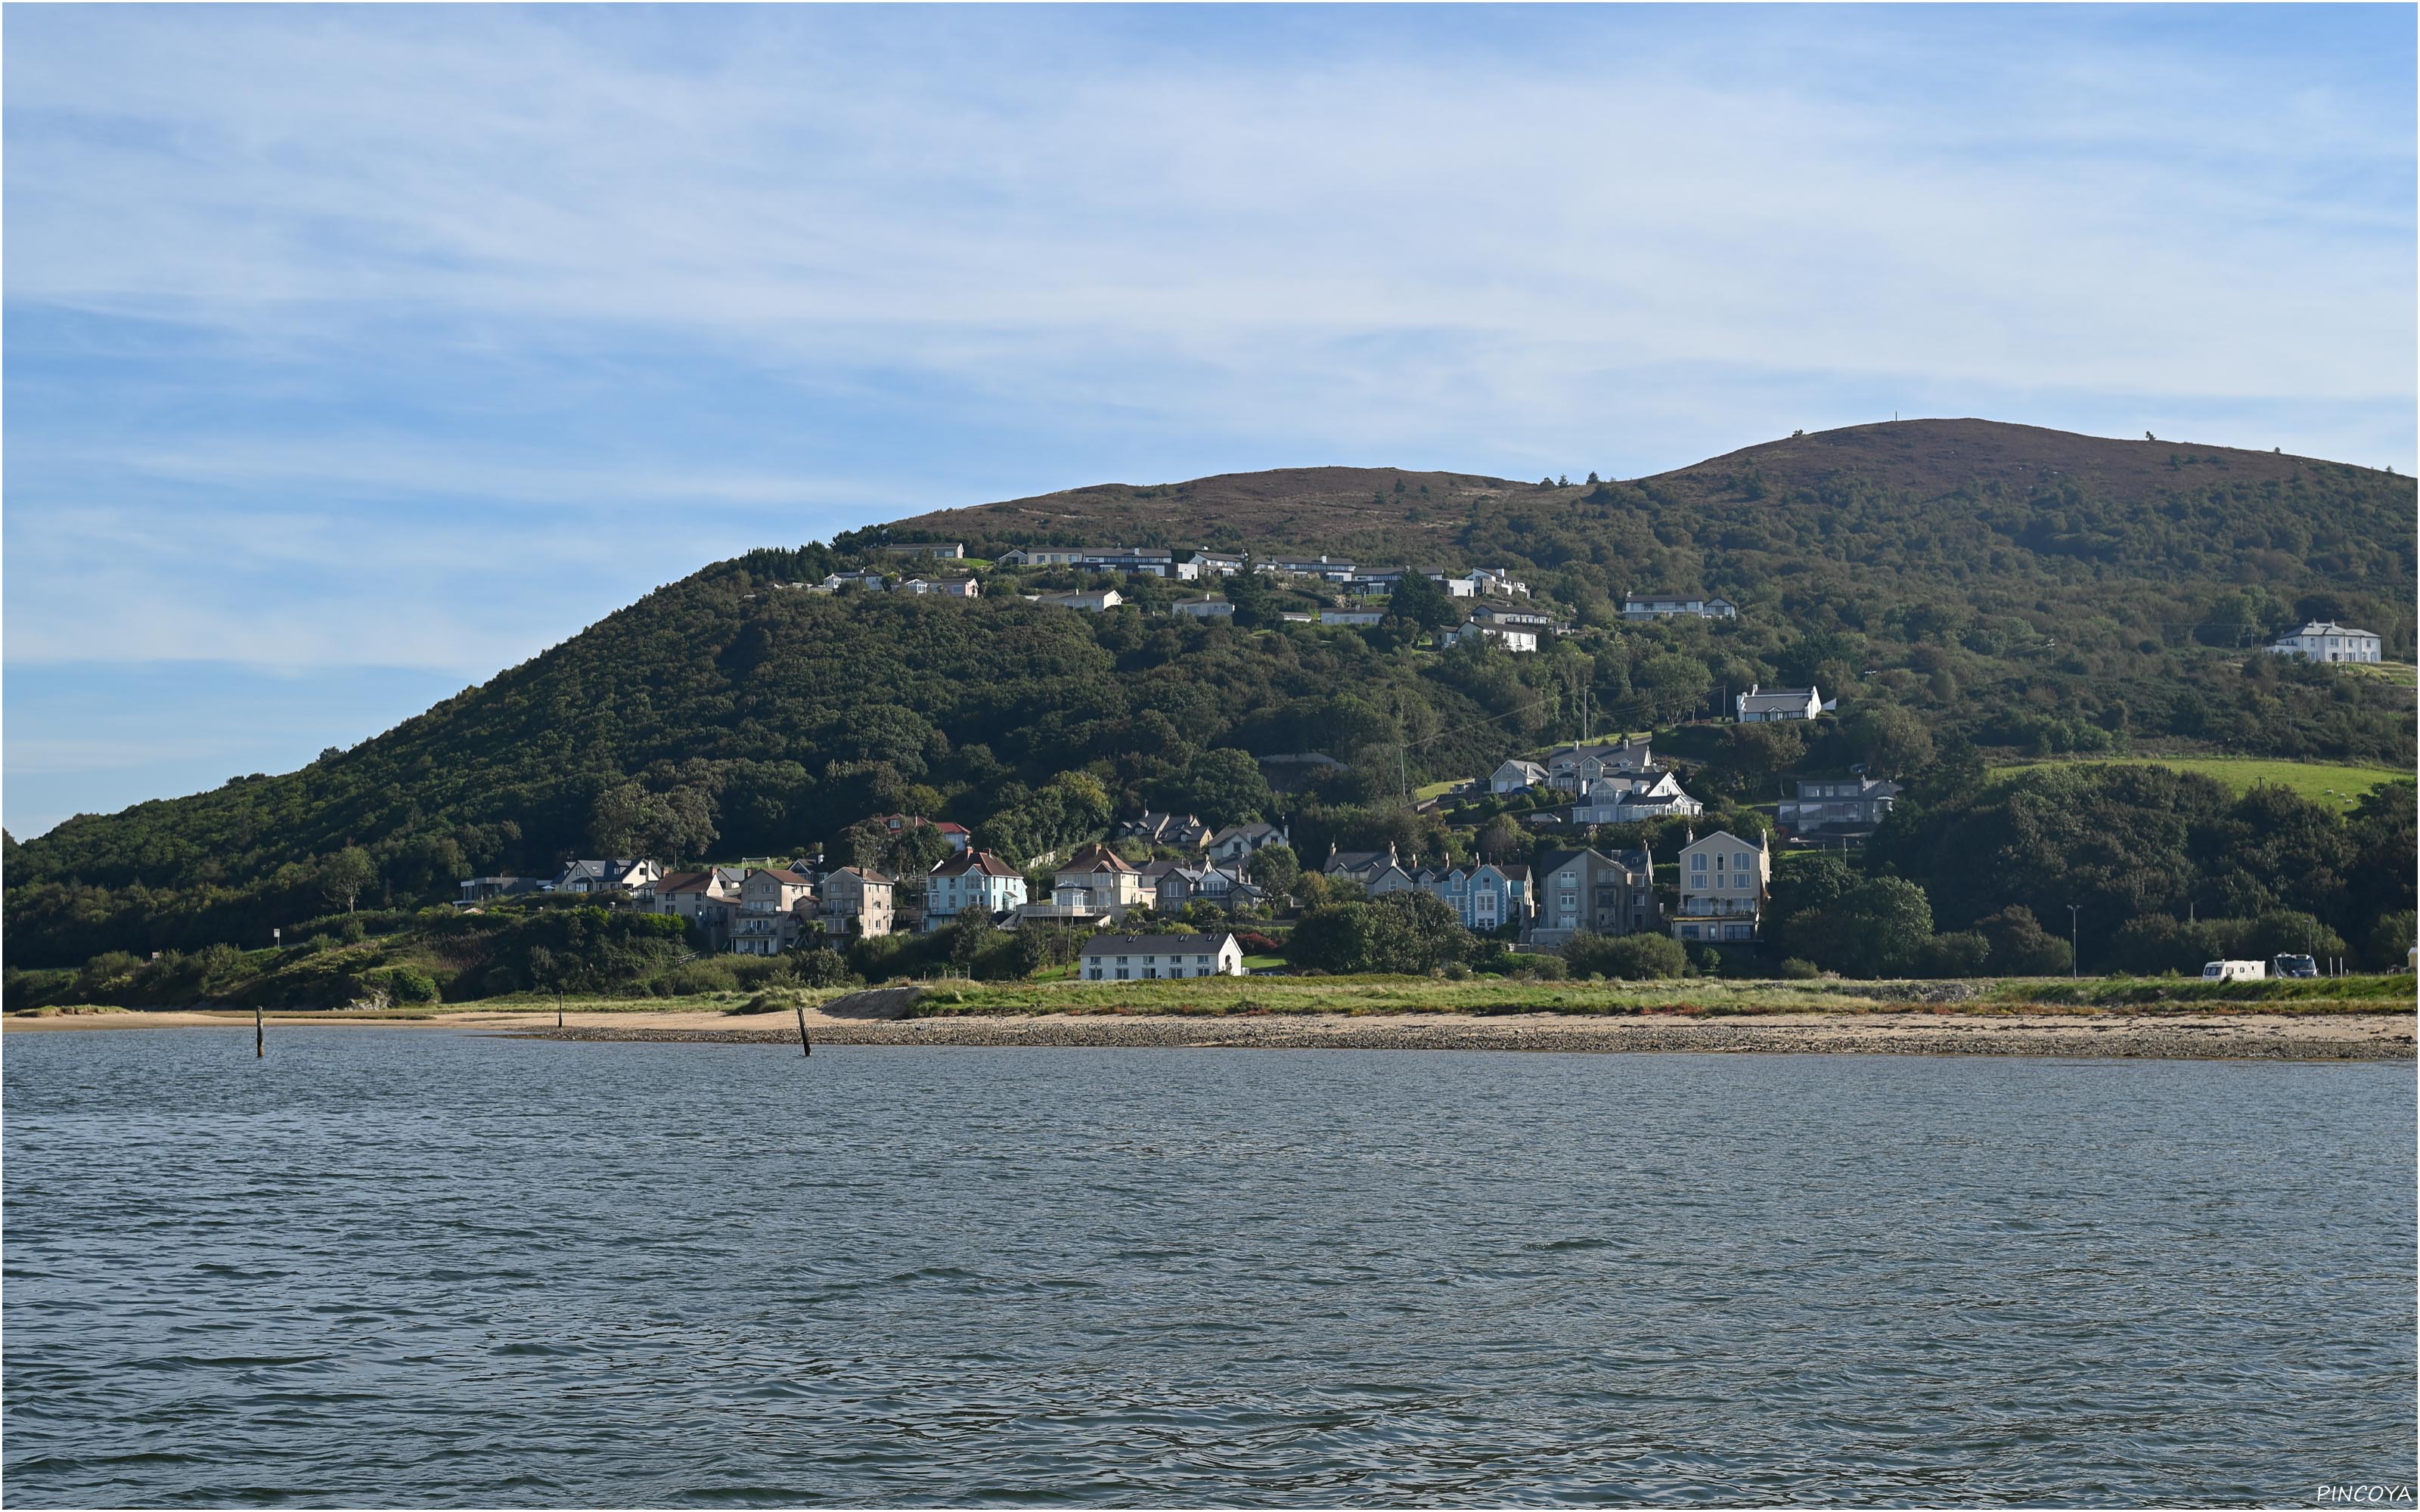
[1506, 625]
[1716, 893]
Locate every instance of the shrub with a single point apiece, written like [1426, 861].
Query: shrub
[409, 986]
[1956, 955]
[1797, 968]
[710, 973]
[1628, 957]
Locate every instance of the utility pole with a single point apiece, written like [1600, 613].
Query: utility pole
[2074, 939]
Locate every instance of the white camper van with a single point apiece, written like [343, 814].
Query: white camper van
[2235, 971]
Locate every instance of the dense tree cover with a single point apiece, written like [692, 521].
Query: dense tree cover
[2145, 854]
[729, 714]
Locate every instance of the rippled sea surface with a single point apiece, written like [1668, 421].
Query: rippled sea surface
[397, 1267]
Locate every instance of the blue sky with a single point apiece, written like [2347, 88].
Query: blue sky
[355, 354]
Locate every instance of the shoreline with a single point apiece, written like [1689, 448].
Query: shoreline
[2235, 1036]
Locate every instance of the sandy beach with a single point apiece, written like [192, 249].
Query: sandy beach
[2167, 1035]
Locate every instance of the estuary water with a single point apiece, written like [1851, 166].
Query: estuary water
[393, 1267]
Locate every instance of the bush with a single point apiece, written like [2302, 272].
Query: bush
[710, 973]
[409, 986]
[1543, 967]
[1799, 969]
[1956, 955]
[1627, 957]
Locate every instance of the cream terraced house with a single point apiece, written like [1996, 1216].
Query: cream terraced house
[1724, 881]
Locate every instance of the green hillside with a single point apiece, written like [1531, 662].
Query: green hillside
[2322, 782]
[1956, 584]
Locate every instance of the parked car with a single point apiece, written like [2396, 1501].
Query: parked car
[2295, 965]
[2235, 971]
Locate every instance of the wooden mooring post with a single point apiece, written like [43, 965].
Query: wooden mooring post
[260, 1036]
[805, 1048]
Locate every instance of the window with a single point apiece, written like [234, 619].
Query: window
[1740, 860]
[1122, 973]
[1203, 960]
[1698, 862]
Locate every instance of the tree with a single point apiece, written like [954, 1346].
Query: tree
[629, 820]
[1224, 786]
[1400, 933]
[1421, 602]
[1255, 593]
[1678, 684]
[343, 875]
[2391, 941]
[1276, 867]
[1500, 840]
[1891, 741]
[2021, 947]
[915, 851]
[1879, 928]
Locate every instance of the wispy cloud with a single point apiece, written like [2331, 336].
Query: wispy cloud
[478, 320]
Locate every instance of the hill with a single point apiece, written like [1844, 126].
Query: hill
[1393, 516]
[1955, 583]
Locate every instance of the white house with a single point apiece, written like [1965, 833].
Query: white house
[1516, 775]
[1351, 616]
[1478, 630]
[947, 550]
[1205, 609]
[1605, 758]
[1145, 957]
[1236, 841]
[1330, 569]
[1666, 605]
[1764, 705]
[1629, 801]
[1497, 580]
[622, 875]
[946, 587]
[1089, 600]
[869, 580]
[970, 882]
[2326, 641]
[1043, 556]
[1513, 619]
[1724, 880]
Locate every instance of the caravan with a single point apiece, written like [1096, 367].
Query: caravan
[2235, 971]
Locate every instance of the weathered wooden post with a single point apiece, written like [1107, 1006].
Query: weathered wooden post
[260, 1036]
[804, 1047]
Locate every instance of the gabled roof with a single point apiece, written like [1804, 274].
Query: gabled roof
[1157, 944]
[685, 882]
[861, 873]
[984, 862]
[781, 874]
[1097, 859]
[1247, 832]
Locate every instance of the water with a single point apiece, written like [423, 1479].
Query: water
[397, 1267]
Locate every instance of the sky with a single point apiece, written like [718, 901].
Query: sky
[352, 355]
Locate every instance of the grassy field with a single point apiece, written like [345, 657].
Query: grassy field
[1704, 998]
[2334, 785]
